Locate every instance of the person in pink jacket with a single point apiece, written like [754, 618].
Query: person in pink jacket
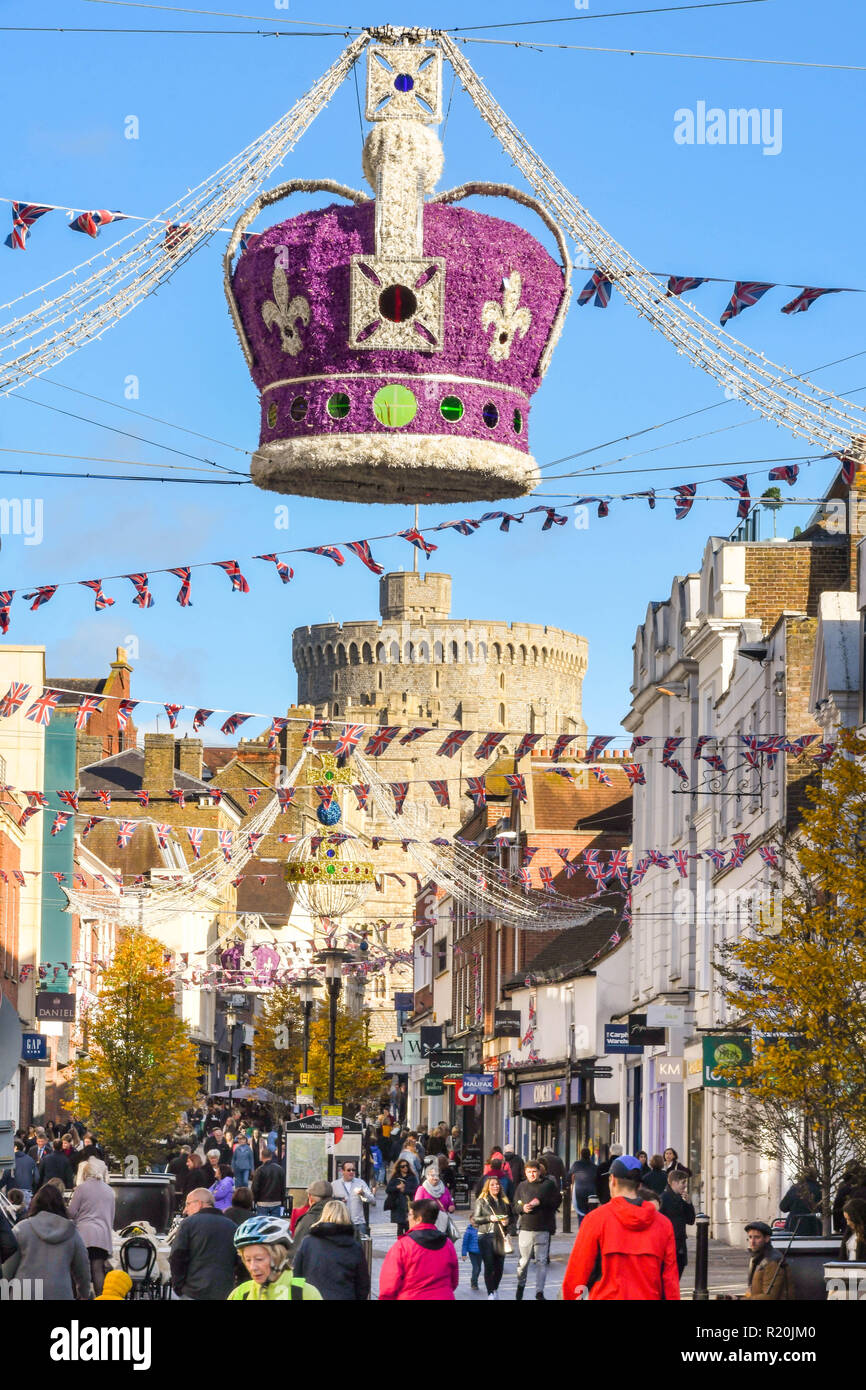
[422, 1265]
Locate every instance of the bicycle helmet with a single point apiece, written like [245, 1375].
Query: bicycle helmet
[263, 1230]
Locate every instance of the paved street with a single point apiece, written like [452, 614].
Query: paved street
[727, 1265]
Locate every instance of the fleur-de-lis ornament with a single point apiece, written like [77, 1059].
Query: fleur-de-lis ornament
[286, 313]
[508, 318]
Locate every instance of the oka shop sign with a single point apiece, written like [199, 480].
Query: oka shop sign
[548, 1095]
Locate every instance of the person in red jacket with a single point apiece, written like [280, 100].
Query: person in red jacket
[625, 1249]
[422, 1265]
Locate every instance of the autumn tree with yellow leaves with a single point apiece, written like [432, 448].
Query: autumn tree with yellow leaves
[140, 1068]
[279, 1054]
[798, 983]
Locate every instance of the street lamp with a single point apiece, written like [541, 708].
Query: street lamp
[333, 958]
[306, 987]
[231, 1023]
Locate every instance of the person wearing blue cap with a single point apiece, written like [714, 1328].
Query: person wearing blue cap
[624, 1249]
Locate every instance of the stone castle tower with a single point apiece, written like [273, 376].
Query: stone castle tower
[419, 665]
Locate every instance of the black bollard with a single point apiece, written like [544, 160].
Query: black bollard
[702, 1257]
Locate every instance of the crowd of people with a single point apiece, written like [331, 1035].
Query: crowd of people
[237, 1236]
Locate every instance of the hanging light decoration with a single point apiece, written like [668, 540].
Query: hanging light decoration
[326, 875]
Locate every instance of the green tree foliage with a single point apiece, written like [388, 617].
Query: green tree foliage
[140, 1070]
[798, 981]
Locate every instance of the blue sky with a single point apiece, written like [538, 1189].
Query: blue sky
[605, 122]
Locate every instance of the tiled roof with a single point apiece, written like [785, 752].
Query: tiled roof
[124, 772]
[561, 805]
[215, 759]
[571, 951]
[270, 899]
[73, 687]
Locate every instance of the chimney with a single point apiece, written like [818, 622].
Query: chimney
[158, 761]
[188, 756]
[88, 750]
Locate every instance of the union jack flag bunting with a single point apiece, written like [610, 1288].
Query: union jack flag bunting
[215, 795]
[640, 741]
[348, 742]
[362, 792]
[738, 853]
[850, 468]
[412, 734]
[700, 744]
[69, 798]
[26, 815]
[104, 795]
[561, 744]
[487, 745]
[598, 289]
[325, 795]
[285, 796]
[61, 878]
[635, 774]
[330, 552]
[176, 234]
[23, 217]
[716, 762]
[253, 794]
[61, 820]
[233, 723]
[279, 724]
[183, 573]
[125, 831]
[414, 537]
[6, 596]
[570, 868]
[668, 759]
[771, 748]
[526, 744]
[315, 726]
[379, 740]
[89, 705]
[546, 876]
[285, 571]
[746, 293]
[80, 880]
[802, 301]
[678, 284]
[253, 839]
[797, 747]
[785, 473]
[399, 790]
[440, 791]
[601, 776]
[172, 711]
[562, 772]
[685, 496]
[465, 527]
[162, 834]
[37, 798]
[200, 717]
[143, 596]
[598, 744]
[740, 484]
[195, 834]
[40, 596]
[124, 710]
[453, 742]
[176, 794]
[475, 787]
[599, 873]
[824, 754]
[552, 518]
[100, 600]
[14, 698]
[91, 822]
[362, 550]
[661, 861]
[680, 858]
[769, 856]
[142, 796]
[232, 569]
[618, 866]
[90, 222]
[517, 784]
[504, 518]
[42, 708]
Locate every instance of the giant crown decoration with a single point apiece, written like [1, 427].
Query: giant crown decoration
[396, 341]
